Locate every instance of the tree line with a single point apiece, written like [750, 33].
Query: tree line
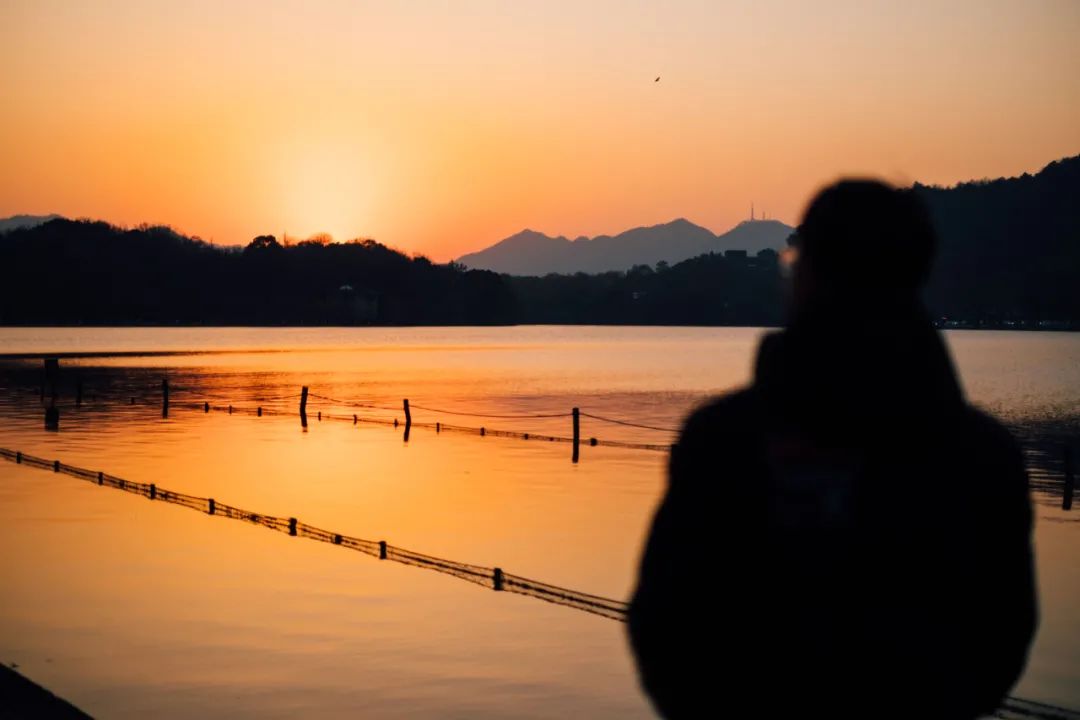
[1010, 254]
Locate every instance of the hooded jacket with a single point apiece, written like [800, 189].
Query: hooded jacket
[847, 536]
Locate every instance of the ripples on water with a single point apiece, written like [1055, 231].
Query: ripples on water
[128, 608]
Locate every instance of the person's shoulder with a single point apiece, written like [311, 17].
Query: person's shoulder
[987, 433]
[720, 413]
[991, 451]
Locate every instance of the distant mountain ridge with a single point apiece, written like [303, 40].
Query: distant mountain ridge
[25, 221]
[534, 253]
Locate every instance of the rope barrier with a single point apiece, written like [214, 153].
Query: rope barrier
[449, 427]
[497, 417]
[495, 578]
[627, 423]
[476, 574]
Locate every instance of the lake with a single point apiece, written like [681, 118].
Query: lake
[129, 608]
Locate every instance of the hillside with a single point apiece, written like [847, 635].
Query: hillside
[1009, 257]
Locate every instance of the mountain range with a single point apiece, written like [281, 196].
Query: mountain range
[533, 253]
[24, 221]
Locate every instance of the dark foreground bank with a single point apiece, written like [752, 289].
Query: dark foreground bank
[21, 698]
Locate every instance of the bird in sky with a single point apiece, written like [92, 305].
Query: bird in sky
[657, 79]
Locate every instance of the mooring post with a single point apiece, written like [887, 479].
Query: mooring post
[153, 491]
[52, 416]
[292, 526]
[210, 507]
[497, 579]
[18, 458]
[408, 418]
[56, 466]
[577, 434]
[1067, 497]
[164, 397]
[206, 407]
[50, 373]
[100, 478]
[382, 549]
[259, 411]
[303, 406]
[230, 409]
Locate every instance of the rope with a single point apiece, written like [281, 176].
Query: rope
[483, 415]
[627, 423]
[227, 406]
[477, 574]
[349, 403]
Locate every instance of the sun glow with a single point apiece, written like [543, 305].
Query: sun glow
[442, 128]
[323, 187]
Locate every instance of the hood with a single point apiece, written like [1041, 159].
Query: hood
[878, 364]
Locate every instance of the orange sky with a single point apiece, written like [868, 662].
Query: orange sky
[442, 127]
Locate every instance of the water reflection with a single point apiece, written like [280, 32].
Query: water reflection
[144, 609]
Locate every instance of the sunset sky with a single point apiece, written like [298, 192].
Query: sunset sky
[441, 128]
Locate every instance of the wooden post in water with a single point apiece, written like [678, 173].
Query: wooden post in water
[52, 416]
[408, 418]
[577, 434]
[292, 526]
[51, 372]
[210, 506]
[206, 407]
[382, 549]
[1067, 497]
[164, 397]
[497, 579]
[52, 413]
[303, 406]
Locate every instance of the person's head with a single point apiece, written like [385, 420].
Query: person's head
[862, 241]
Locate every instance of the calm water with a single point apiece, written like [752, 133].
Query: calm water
[130, 608]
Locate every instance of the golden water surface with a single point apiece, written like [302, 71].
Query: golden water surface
[130, 608]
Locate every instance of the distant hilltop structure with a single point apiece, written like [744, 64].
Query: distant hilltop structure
[764, 216]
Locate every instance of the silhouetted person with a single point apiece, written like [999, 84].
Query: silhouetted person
[847, 537]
